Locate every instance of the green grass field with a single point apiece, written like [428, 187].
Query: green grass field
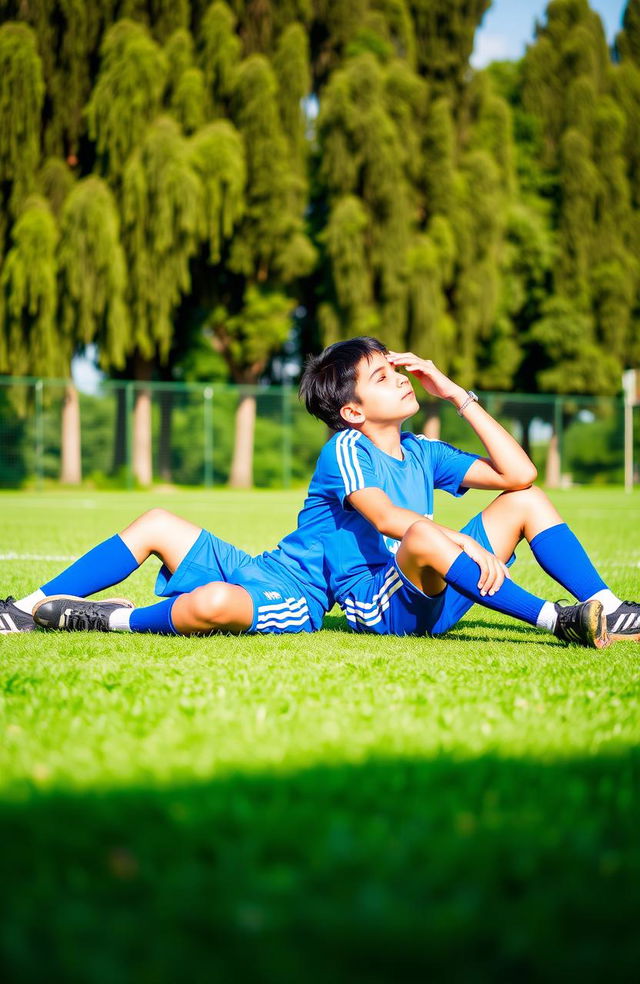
[311, 808]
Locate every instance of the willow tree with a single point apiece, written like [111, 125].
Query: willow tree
[269, 250]
[445, 34]
[626, 87]
[219, 52]
[185, 92]
[55, 180]
[161, 217]
[626, 83]
[29, 340]
[91, 278]
[628, 41]
[568, 82]
[415, 173]
[68, 33]
[431, 260]
[126, 98]
[127, 95]
[21, 101]
[368, 198]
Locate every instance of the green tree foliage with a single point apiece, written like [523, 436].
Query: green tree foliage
[56, 181]
[68, 33]
[429, 163]
[127, 94]
[161, 214]
[576, 364]
[185, 91]
[585, 107]
[363, 157]
[217, 158]
[291, 67]
[445, 31]
[247, 340]
[29, 340]
[254, 157]
[219, 54]
[92, 273]
[565, 70]
[21, 100]
[270, 241]
[628, 41]
[162, 17]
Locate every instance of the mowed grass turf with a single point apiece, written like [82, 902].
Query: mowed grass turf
[315, 807]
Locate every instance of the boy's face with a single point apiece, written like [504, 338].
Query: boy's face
[384, 396]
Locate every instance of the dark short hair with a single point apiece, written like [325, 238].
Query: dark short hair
[329, 379]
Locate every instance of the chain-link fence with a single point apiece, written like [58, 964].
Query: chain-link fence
[130, 433]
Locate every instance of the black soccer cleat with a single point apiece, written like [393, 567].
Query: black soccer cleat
[70, 614]
[13, 619]
[584, 624]
[624, 623]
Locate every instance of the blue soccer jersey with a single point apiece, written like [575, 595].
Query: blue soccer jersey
[344, 542]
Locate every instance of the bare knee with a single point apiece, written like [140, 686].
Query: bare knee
[156, 518]
[531, 511]
[145, 531]
[528, 500]
[419, 541]
[210, 604]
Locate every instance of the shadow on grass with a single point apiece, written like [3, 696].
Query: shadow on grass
[468, 629]
[399, 870]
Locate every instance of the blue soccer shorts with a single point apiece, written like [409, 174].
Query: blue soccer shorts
[279, 603]
[389, 604]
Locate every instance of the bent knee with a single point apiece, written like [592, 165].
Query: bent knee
[419, 538]
[156, 517]
[531, 496]
[210, 603]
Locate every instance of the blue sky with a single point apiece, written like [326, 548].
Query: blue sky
[508, 27]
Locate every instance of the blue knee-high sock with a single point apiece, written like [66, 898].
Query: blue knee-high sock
[154, 618]
[106, 564]
[560, 554]
[510, 598]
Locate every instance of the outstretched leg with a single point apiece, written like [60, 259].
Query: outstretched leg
[156, 532]
[214, 607]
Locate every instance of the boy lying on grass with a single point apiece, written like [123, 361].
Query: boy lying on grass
[365, 536]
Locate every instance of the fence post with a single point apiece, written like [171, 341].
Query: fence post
[39, 434]
[128, 434]
[286, 436]
[558, 424]
[208, 436]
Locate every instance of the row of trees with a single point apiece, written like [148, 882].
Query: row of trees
[185, 184]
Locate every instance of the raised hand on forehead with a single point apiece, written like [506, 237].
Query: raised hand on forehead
[426, 372]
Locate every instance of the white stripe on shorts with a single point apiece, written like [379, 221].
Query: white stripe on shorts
[295, 609]
[354, 614]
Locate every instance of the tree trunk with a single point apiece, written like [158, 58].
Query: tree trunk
[71, 457]
[142, 460]
[164, 448]
[552, 476]
[432, 422]
[120, 436]
[241, 476]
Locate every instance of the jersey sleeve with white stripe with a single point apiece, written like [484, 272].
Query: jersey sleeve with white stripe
[346, 465]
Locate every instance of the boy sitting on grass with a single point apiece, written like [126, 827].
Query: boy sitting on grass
[390, 566]
[365, 535]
